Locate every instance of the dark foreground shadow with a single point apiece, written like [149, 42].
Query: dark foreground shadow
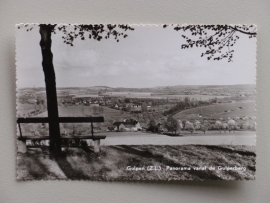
[69, 171]
[87, 150]
[32, 162]
[161, 159]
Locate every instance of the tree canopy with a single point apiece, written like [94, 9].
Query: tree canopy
[84, 31]
[217, 39]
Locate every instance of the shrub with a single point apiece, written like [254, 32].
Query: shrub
[189, 127]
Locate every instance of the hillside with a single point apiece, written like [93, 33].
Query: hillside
[225, 110]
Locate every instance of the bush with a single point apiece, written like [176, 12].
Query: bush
[189, 127]
[172, 125]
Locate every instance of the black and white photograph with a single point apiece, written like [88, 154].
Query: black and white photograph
[136, 102]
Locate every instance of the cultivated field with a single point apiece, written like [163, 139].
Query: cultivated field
[24, 109]
[113, 161]
[80, 111]
[224, 110]
[152, 95]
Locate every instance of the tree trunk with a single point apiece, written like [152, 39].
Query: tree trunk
[52, 106]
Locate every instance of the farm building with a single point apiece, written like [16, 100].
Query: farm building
[136, 109]
[127, 126]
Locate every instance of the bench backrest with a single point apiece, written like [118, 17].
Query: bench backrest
[61, 120]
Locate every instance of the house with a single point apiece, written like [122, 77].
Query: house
[136, 109]
[127, 125]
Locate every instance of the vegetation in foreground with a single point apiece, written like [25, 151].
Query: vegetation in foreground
[113, 161]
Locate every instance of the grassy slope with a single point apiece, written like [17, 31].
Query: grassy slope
[112, 163]
[218, 111]
[81, 111]
[25, 108]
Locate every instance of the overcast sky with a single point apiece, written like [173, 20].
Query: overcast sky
[150, 56]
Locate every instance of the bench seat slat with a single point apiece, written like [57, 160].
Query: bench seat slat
[86, 137]
[35, 137]
[62, 146]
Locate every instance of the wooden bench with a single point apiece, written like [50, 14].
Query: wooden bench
[22, 147]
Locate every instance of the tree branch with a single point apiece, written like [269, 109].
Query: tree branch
[248, 33]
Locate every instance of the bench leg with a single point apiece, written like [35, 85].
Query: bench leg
[22, 146]
[96, 146]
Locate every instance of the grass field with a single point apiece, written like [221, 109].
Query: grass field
[160, 96]
[24, 109]
[110, 115]
[113, 161]
[225, 110]
[79, 111]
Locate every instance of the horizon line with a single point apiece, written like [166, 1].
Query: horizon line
[136, 87]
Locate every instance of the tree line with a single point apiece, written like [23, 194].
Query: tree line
[174, 126]
[188, 103]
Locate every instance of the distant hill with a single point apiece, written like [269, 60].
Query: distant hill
[239, 87]
[209, 86]
[101, 87]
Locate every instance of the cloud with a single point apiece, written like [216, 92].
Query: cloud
[145, 58]
[162, 70]
[76, 59]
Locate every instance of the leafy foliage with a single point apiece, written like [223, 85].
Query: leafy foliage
[83, 31]
[217, 39]
[152, 125]
[95, 32]
[172, 125]
[187, 104]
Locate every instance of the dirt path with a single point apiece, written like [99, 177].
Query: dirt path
[211, 138]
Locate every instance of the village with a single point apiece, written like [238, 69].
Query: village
[131, 112]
